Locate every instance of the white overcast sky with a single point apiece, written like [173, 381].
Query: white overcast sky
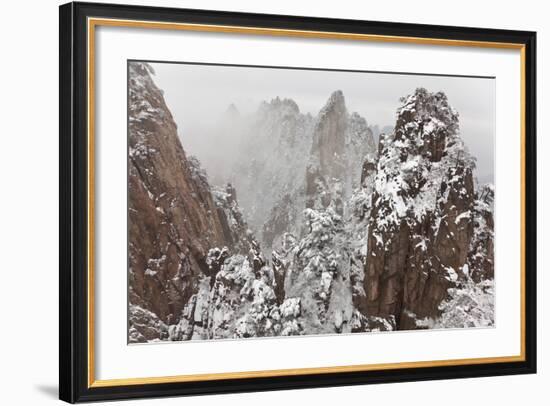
[198, 95]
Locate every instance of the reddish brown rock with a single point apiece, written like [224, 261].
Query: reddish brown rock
[420, 228]
[173, 219]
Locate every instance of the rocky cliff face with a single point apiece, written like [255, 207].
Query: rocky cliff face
[315, 264]
[239, 302]
[274, 149]
[481, 253]
[363, 239]
[280, 145]
[420, 227]
[173, 217]
[341, 142]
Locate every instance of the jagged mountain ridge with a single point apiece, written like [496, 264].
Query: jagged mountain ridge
[273, 150]
[276, 148]
[173, 216]
[321, 277]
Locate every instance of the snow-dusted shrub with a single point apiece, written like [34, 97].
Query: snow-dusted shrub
[470, 304]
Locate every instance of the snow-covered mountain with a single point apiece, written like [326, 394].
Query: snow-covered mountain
[424, 212]
[274, 149]
[276, 146]
[358, 237]
[174, 217]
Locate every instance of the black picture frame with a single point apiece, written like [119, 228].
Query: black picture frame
[74, 385]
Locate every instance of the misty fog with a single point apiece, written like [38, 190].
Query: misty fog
[210, 102]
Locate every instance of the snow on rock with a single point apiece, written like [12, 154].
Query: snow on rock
[290, 307]
[470, 304]
[174, 218]
[481, 254]
[279, 143]
[361, 238]
[240, 303]
[420, 229]
[145, 326]
[274, 147]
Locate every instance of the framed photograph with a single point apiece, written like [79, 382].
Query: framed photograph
[257, 202]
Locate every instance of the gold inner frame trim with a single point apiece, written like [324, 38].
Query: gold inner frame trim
[94, 22]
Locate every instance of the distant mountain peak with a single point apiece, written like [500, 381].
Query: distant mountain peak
[279, 103]
[232, 111]
[335, 103]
